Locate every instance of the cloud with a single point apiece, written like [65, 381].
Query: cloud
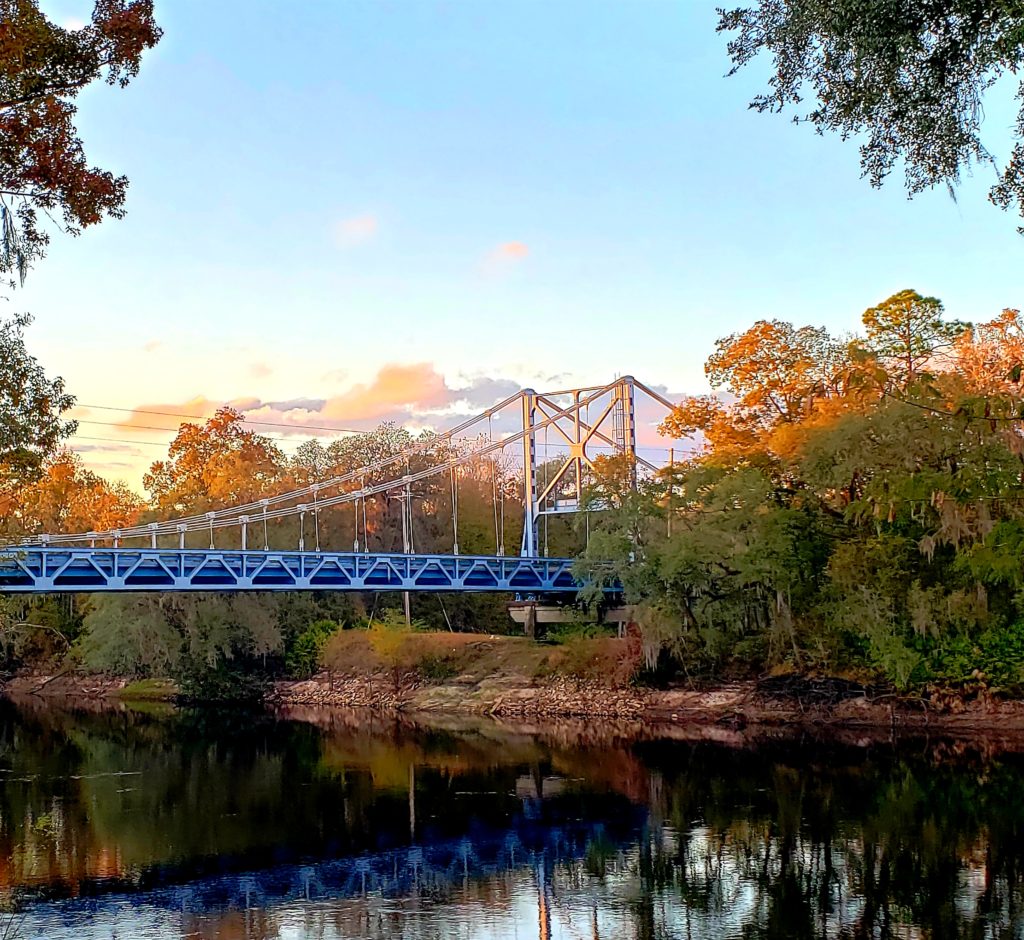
[356, 230]
[152, 346]
[396, 389]
[558, 380]
[408, 393]
[296, 404]
[416, 395]
[73, 23]
[482, 392]
[260, 370]
[116, 465]
[509, 253]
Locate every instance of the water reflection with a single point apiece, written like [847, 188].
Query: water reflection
[169, 825]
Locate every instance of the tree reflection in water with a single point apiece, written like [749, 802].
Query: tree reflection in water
[223, 826]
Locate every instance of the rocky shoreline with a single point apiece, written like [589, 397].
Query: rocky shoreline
[732, 705]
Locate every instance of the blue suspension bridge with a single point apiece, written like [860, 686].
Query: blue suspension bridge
[158, 556]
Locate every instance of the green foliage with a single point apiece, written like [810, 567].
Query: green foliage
[992, 659]
[872, 525]
[305, 651]
[392, 620]
[203, 641]
[905, 331]
[226, 680]
[906, 78]
[31, 405]
[434, 668]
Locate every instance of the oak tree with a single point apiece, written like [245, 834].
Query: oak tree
[69, 498]
[215, 464]
[909, 76]
[44, 170]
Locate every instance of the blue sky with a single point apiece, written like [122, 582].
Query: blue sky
[470, 196]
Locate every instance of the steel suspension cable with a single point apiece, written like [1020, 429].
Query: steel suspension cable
[494, 490]
[366, 531]
[226, 517]
[419, 447]
[455, 510]
[355, 524]
[316, 515]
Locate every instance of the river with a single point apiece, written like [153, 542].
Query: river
[138, 823]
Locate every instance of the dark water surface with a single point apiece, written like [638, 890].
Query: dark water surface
[162, 824]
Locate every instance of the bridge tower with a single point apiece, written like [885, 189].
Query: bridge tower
[614, 426]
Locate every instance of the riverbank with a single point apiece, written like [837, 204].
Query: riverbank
[729, 707]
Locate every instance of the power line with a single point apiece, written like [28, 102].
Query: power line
[174, 414]
[118, 440]
[152, 427]
[296, 428]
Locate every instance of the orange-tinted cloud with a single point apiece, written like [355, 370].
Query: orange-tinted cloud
[356, 229]
[412, 389]
[415, 393]
[510, 251]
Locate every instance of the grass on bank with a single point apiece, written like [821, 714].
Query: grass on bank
[148, 690]
[467, 657]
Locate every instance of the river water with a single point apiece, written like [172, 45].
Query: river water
[155, 823]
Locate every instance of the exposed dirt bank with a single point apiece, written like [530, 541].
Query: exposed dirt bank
[729, 708]
[732, 705]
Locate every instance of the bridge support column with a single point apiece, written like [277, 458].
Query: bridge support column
[529, 547]
[625, 420]
[406, 499]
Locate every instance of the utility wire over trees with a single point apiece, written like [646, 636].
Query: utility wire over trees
[911, 76]
[44, 171]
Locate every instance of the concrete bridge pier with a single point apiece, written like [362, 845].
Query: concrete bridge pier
[535, 615]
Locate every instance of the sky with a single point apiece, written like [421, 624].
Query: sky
[343, 211]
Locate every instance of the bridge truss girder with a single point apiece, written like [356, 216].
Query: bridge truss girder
[85, 570]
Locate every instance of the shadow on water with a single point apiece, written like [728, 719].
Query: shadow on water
[165, 823]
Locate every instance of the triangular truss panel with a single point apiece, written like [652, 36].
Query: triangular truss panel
[35, 570]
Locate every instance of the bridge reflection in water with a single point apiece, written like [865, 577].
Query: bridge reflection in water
[431, 872]
[231, 826]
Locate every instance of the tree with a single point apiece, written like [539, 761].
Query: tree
[911, 75]
[69, 498]
[990, 356]
[905, 331]
[778, 374]
[311, 463]
[775, 369]
[43, 166]
[216, 464]
[31, 405]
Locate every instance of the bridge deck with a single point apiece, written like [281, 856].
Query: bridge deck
[71, 570]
